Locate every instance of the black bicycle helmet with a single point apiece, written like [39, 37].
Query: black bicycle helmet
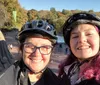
[78, 18]
[38, 27]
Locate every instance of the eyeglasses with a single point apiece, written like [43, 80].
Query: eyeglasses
[30, 48]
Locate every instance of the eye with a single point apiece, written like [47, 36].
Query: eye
[28, 45]
[89, 34]
[46, 47]
[74, 36]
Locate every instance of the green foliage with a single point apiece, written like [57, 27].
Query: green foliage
[31, 14]
[56, 18]
[58, 24]
[3, 15]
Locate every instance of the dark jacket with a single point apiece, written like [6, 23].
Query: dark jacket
[6, 58]
[17, 75]
[71, 74]
[66, 81]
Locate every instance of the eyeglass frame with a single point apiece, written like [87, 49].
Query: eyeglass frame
[36, 47]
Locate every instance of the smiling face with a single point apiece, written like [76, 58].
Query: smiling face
[36, 61]
[84, 41]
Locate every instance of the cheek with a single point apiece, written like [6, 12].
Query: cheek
[46, 58]
[24, 55]
[73, 43]
[95, 44]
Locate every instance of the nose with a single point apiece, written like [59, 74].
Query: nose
[36, 53]
[82, 38]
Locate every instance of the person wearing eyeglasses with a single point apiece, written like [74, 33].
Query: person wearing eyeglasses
[37, 40]
[82, 66]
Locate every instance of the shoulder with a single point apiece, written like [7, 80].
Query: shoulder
[2, 42]
[64, 79]
[48, 72]
[11, 69]
[89, 82]
[9, 76]
[50, 77]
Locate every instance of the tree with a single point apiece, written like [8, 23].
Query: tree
[58, 24]
[66, 12]
[3, 15]
[31, 14]
[54, 12]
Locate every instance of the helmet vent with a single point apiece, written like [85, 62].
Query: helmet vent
[48, 28]
[40, 23]
[38, 27]
[55, 33]
[29, 25]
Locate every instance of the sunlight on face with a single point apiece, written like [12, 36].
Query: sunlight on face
[36, 61]
[84, 41]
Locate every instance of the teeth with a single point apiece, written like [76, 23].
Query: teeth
[36, 61]
[80, 48]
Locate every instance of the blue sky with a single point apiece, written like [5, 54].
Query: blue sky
[61, 4]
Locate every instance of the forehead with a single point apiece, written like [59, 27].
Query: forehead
[37, 40]
[84, 27]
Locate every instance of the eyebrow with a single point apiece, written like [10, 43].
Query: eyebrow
[75, 32]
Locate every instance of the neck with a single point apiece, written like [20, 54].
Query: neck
[34, 77]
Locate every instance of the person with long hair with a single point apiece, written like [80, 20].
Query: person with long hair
[82, 34]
